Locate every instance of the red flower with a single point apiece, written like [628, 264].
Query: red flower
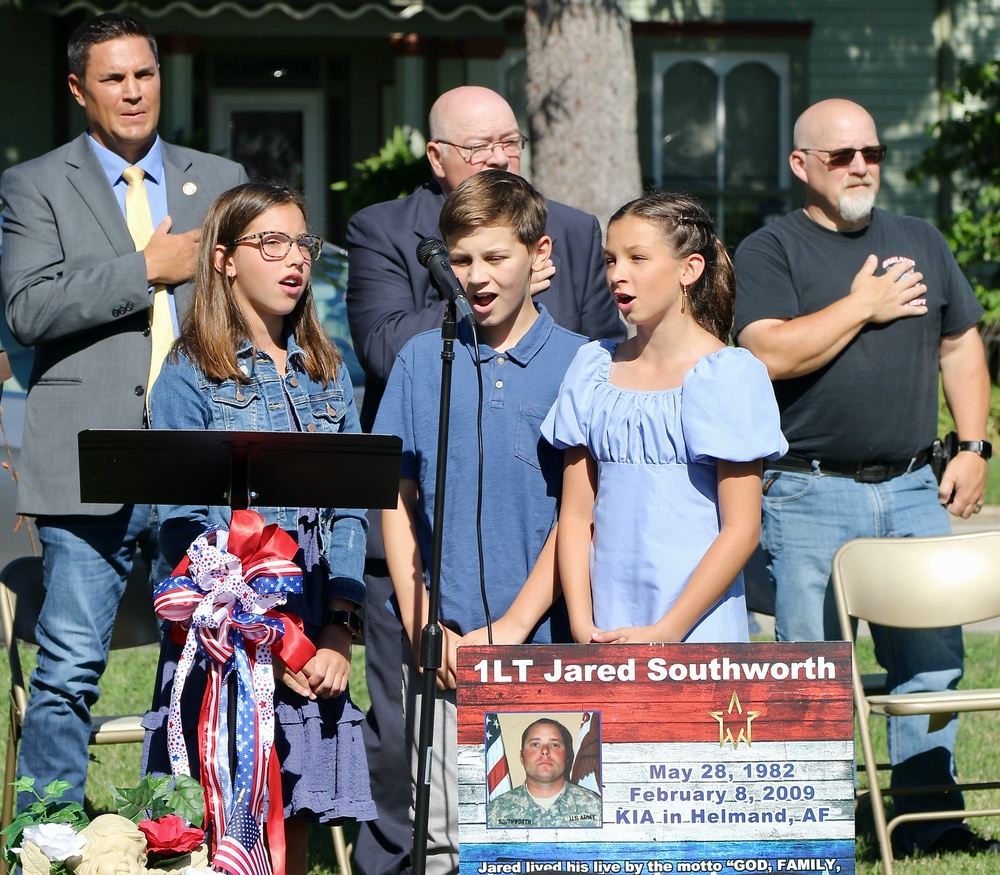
[168, 835]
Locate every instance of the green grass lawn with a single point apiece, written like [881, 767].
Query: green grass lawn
[977, 756]
[129, 679]
[946, 424]
[126, 688]
[993, 483]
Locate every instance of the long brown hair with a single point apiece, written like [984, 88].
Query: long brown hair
[215, 325]
[687, 228]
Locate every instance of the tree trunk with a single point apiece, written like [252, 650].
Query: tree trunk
[581, 96]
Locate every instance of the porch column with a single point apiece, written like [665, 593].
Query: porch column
[177, 76]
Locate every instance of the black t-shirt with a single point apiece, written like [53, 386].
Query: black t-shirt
[878, 399]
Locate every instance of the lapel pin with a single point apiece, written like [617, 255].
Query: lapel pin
[189, 188]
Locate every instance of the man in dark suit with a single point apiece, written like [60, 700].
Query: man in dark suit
[77, 290]
[390, 298]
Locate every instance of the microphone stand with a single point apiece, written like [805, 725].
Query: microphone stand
[431, 636]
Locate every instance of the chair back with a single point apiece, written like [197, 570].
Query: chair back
[136, 623]
[22, 593]
[919, 583]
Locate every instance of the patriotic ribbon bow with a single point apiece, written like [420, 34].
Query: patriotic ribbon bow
[222, 599]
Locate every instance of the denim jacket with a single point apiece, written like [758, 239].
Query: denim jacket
[183, 397]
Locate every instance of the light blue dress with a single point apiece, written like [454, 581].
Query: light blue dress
[657, 508]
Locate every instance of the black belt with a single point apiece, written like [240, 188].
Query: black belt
[864, 472]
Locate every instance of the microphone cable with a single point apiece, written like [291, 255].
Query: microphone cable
[480, 492]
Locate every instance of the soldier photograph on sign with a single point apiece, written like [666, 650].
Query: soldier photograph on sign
[560, 756]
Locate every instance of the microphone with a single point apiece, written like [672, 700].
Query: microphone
[433, 254]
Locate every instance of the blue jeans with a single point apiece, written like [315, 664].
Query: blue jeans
[86, 561]
[806, 518]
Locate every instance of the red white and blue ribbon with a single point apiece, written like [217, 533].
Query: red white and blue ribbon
[222, 599]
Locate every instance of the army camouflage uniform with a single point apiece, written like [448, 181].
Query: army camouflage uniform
[575, 806]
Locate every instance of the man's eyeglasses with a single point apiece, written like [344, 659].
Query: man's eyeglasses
[275, 244]
[843, 157]
[480, 153]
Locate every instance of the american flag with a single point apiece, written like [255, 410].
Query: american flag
[242, 850]
[497, 772]
[221, 598]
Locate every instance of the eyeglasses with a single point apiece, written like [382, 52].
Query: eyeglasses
[275, 244]
[843, 157]
[480, 153]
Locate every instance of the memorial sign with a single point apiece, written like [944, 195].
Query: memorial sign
[725, 758]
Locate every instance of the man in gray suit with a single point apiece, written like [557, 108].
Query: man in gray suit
[76, 290]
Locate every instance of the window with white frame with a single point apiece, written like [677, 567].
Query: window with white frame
[721, 132]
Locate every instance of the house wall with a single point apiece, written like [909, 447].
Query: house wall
[368, 83]
[889, 56]
[30, 77]
[976, 29]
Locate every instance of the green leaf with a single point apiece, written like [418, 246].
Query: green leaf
[24, 785]
[56, 789]
[132, 802]
[155, 796]
[71, 813]
[13, 833]
[189, 800]
[50, 810]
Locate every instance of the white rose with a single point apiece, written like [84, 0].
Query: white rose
[58, 841]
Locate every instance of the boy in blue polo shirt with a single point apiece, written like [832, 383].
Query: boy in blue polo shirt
[494, 225]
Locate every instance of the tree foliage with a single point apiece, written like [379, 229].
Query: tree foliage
[966, 156]
[396, 170]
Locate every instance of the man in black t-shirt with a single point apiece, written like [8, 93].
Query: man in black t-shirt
[855, 311]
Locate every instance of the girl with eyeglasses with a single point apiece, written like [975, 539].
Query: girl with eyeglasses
[252, 355]
[663, 435]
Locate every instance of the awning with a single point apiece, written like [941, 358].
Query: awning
[392, 11]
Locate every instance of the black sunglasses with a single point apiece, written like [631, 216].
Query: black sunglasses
[843, 157]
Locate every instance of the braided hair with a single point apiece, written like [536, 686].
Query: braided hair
[687, 229]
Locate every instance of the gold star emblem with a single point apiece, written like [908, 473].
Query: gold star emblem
[745, 733]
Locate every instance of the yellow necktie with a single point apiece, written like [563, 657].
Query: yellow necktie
[140, 226]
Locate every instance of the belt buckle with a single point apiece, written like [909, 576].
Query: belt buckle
[873, 473]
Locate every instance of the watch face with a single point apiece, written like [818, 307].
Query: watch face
[350, 619]
[983, 448]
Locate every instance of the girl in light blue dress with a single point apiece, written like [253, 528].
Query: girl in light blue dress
[664, 435]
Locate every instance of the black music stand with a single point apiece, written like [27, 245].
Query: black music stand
[239, 468]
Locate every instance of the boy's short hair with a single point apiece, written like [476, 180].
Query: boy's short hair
[495, 197]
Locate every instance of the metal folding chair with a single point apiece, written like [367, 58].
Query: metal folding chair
[917, 583]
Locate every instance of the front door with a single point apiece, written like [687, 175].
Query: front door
[277, 136]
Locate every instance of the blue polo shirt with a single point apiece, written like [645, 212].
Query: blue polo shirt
[522, 473]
